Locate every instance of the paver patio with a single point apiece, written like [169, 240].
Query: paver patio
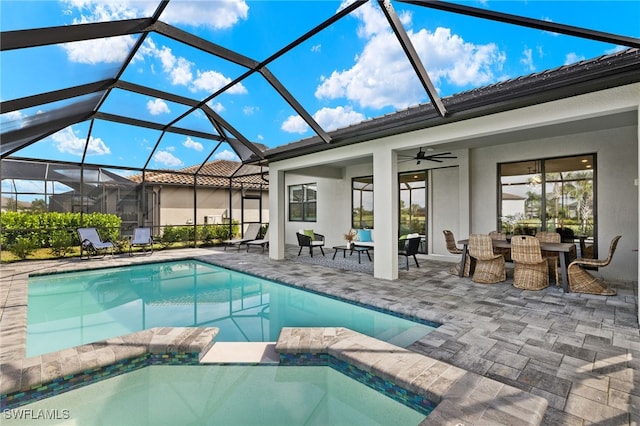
[580, 352]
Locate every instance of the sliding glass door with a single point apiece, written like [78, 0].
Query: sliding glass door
[552, 194]
[413, 205]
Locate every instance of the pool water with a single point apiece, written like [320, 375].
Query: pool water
[225, 395]
[71, 309]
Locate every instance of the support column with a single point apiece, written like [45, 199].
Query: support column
[277, 200]
[385, 214]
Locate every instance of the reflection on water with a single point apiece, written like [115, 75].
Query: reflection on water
[70, 309]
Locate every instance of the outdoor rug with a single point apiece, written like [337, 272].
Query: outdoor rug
[348, 263]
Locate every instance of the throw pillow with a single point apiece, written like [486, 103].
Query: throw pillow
[308, 233]
[364, 235]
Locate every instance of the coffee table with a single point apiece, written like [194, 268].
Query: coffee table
[357, 249]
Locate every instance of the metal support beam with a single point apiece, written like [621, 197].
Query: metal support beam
[295, 105]
[412, 55]
[528, 22]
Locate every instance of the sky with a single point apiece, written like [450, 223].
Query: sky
[352, 71]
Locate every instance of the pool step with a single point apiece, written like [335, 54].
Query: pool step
[242, 353]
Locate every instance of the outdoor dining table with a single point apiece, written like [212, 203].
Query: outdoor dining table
[562, 248]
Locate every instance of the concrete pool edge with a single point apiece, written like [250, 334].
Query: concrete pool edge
[65, 369]
[462, 397]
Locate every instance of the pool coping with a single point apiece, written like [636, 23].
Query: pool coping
[462, 397]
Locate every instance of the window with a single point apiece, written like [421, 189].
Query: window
[303, 202]
[362, 202]
[554, 195]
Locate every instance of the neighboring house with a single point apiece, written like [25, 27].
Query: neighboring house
[225, 190]
[581, 115]
[10, 204]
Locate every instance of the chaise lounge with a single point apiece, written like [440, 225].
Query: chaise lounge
[91, 243]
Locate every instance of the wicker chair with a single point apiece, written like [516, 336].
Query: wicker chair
[552, 257]
[489, 266]
[504, 251]
[581, 281]
[531, 271]
[453, 249]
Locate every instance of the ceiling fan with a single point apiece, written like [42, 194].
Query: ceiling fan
[422, 155]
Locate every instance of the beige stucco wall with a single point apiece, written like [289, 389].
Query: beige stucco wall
[176, 205]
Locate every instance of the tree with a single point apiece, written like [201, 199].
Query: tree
[38, 205]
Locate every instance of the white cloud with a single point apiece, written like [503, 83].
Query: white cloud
[191, 144]
[217, 15]
[527, 59]
[336, 118]
[382, 75]
[316, 48]
[167, 159]
[157, 107]
[210, 81]
[572, 58]
[226, 155]
[67, 142]
[250, 110]
[327, 118]
[104, 50]
[294, 124]
[217, 107]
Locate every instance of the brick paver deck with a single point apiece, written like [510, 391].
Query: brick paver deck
[579, 352]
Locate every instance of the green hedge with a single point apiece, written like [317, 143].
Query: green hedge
[51, 230]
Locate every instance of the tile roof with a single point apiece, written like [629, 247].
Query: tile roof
[214, 173]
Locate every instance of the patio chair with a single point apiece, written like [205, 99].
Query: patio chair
[504, 251]
[581, 281]
[410, 247]
[91, 242]
[489, 266]
[308, 238]
[450, 241]
[141, 238]
[263, 242]
[531, 271]
[249, 235]
[552, 257]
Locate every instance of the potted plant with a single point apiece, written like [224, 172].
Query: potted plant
[349, 237]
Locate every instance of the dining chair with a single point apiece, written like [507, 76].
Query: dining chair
[452, 248]
[504, 251]
[489, 267]
[530, 270]
[552, 257]
[581, 281]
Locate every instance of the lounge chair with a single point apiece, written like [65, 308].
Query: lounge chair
[141, 238]
[91, 242]
[263, 242]
[249, 235]
[308, 238]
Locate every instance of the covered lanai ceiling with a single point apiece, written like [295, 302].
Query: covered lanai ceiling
[173, 84]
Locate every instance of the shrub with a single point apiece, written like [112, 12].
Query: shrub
[22, 247]
[60, 242]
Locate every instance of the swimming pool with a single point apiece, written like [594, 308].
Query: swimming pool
[75, 308]
[223, 395]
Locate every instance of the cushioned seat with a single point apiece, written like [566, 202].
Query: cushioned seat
[308, 238]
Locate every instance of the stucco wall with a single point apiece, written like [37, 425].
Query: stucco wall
[176, 205]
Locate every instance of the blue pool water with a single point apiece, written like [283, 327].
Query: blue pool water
[71, 309]
[223, 395]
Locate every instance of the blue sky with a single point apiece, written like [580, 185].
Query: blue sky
[353, 71]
